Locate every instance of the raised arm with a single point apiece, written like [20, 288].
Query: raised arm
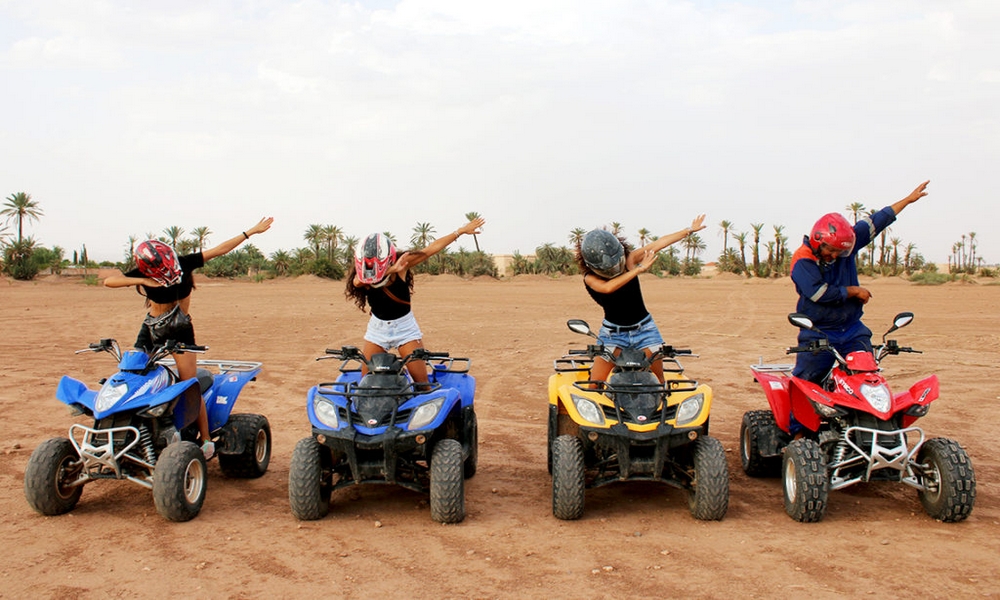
[120, 281]
[226, 246]
[915, 195]
[606, 286]
[662, 242]
[412, 259]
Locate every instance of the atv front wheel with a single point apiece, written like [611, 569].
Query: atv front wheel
[758, 425]
[708, 497]
[180, 481]
[253, 433]
[805, 481]
[568, 481]
[447, 482]
[308, 492]
[949, 480]
[52, 467]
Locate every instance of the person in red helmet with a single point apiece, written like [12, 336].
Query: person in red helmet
[166, 280]
[826, 278]
[381, 279]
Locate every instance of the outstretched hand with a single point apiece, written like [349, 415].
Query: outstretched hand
[918, 193]
[262, 226]
[473, 227]
[698, 224]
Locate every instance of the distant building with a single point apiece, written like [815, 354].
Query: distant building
[503, 263]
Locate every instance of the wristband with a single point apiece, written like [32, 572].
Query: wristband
[245, 236]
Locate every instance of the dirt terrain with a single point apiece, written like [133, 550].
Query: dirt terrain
[635, 540]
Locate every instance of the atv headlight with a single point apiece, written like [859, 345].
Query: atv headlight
[109, 395]
[689, 409]
[878, 396]
[425, 414]
[588, 409]
[326, 412]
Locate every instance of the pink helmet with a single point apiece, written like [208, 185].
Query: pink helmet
[372, 259]
[833, 230]
[158, 261]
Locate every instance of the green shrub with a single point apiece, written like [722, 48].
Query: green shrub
[931, 278]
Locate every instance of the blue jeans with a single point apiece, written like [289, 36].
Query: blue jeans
[814, 367]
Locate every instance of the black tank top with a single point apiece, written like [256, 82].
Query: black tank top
[623, 306]
[384, 306]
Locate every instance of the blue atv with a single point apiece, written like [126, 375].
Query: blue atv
[145, 430]
[384, 428]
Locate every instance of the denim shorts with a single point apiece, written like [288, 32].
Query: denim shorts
[394, 333]
[646, 336]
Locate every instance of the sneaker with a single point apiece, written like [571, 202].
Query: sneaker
[208, 448]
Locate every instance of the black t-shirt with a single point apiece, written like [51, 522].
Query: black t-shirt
[386, 308]
[173, 293]
[623, 306]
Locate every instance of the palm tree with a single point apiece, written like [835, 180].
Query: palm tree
[779, 246]
[19, 207]
[472, 216]
[643, 236]
[282, 261]
[173, 234]
[576, 236]
[201, 236]
[895, 254]
[741, 239]
[423, 235]
[616, 229]
[726, 226]
[972, 248]
[855, 208]
[757, 227]
[314, 235]
[331, 236]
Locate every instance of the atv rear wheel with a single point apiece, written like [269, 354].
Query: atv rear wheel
[568, 481]
[472, 460]
[52, 467]
[805, 481]
[180, 480]
[447, 482]
[758, 425]
[708, 497]
[949, 479]
[308, 491]
[253, 433]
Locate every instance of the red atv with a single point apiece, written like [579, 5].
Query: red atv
[849, 429]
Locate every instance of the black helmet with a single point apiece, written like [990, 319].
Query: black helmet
[603, 253]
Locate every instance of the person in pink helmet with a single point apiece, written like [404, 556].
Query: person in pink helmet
[380, 279]
[167, 280]
[825, 275]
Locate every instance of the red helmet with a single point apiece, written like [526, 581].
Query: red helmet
[372, 259]
[158, 261]
[834, 231]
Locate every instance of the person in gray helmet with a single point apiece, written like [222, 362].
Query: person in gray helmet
[611, 271]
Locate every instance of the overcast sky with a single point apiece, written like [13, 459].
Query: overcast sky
[124, 118]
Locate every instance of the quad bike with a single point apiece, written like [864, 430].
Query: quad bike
[631, 427]
[385, 428]
[145, 430]
[849, 429]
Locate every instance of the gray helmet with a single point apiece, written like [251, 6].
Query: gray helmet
[603, 253]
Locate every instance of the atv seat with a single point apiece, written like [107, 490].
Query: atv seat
[205, 379]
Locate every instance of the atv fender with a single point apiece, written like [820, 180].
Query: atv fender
[799, 394]
[921, 393]
[777, 392]
[221, 397]
[75, 392]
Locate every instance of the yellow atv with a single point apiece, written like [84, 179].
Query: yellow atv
[631, 428]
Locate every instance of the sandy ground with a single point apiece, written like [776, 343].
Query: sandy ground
[635, 540]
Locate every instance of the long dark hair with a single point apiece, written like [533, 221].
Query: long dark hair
[359, 295]
[583, 264]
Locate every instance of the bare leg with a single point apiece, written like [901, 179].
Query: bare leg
[417, 368]
[369, 349]
[656, 367]
[600, 369]
[187, 368]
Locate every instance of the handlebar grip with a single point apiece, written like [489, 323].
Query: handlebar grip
[435, 354]
[332, 351]
[580, 352]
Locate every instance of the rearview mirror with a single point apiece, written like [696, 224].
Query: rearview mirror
[579, 326]
[801, 321]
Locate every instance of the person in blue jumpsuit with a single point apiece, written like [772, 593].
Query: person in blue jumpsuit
[826, 279]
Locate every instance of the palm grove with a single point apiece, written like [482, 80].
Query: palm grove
[329, 250]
